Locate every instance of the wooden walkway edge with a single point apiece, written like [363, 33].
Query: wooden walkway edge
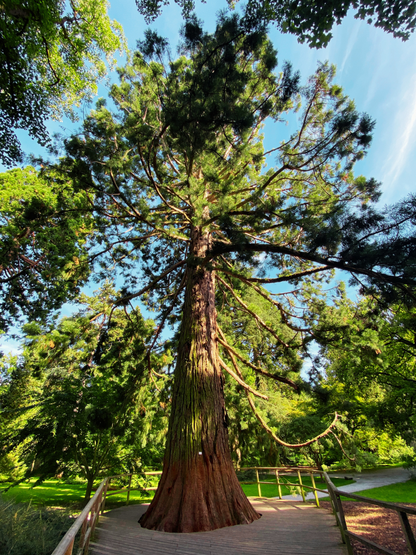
[286, 528]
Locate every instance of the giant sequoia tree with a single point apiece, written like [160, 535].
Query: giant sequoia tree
[190, 217]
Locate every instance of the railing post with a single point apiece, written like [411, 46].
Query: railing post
[258, 482]
[128, 489]
[70, 548]
[301, 486]
[82, 537]
[279, 488]
[339, 513]
[408, 533]
[314, 490]
[105, 495]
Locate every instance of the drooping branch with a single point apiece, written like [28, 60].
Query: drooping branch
[283, 313]
[257, 318]
[266, 427]
[241, 381]
[280, 441]
[257, 369]
[351, 459]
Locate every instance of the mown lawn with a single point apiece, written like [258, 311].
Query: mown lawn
[402, 492]
[58, 494]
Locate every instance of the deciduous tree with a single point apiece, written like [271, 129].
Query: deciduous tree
[52, 54]
[312, 21]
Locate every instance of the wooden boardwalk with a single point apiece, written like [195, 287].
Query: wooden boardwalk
[285, 528]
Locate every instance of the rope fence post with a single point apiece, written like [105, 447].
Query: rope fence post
[314, 490]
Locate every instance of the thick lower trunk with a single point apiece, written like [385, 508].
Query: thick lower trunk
[199, 489]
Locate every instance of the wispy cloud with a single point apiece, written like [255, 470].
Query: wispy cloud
[404, 136]
[350, 45]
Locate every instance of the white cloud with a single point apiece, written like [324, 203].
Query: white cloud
[403, 138]
[350, 44]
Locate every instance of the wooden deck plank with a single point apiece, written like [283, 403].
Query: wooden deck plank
[285, 528]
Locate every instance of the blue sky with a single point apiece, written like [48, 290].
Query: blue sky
[375, 69]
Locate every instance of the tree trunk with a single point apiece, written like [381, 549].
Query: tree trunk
[90, 483]
[199, 489]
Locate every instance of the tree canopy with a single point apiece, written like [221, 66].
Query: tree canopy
[189, 217]
[312, 21]
[51, 57]
[43, 255]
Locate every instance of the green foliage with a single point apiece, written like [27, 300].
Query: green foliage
[372, 364]
[43, 257]
[81, 385]
[311, 21]
[51, 57]
[25, 530]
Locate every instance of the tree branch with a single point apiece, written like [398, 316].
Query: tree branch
[257, 369]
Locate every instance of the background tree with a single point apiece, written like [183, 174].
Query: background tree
[184, 209]
[51, 57]
[43, 256]
[373, 361]
[85, 398]
[312, 21]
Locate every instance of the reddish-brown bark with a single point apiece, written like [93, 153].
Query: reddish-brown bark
[199, 489]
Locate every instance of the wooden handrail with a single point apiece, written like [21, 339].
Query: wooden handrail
[88, 519]
[336, 501]
[85, 522]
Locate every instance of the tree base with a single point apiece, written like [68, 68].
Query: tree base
[199, 500]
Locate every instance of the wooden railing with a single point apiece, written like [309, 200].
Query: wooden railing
[86, 522]
[88, 519]
[336, 501]
[287, 470]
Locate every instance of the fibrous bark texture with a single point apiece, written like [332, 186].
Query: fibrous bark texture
[199, 489]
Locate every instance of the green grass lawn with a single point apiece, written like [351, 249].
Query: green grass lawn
[51, 493]
[402, 492]
[57, 493]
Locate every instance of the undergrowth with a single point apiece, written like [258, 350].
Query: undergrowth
[26, 530]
